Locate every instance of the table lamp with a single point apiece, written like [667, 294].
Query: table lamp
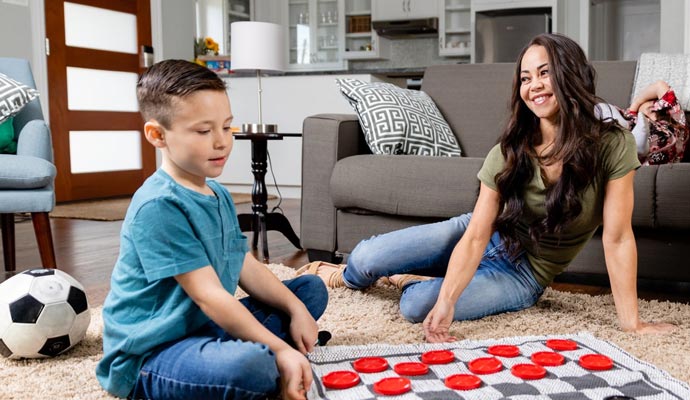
[257, 46]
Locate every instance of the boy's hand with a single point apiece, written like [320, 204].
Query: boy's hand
[304, 331]
[295, 374]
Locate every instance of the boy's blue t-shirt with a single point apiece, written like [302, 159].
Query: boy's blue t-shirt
[168, 230]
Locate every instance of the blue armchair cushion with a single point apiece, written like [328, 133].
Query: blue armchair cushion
[7, 143]
[13, 96]
[25, 172]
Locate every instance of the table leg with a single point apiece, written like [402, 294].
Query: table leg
[264, 236]
[260, 221]
[277, 222]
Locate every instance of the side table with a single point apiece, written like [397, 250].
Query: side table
[260, 221]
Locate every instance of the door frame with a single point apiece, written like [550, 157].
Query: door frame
[39, 62]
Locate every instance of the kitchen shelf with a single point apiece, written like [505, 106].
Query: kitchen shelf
[457, 31]
[358, 12]
[354, 35]
[458, 8]
[238, 14]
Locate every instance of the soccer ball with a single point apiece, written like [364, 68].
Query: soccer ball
[43, 312]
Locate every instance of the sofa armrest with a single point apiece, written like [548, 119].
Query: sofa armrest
[326, 138]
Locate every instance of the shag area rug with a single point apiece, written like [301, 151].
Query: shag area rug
[114, 209]
[372, 316]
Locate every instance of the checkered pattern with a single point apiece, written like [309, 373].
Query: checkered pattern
[629, 376]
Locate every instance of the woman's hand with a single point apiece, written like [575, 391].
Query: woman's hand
[295, 374]
[303, 330]
[437, 323]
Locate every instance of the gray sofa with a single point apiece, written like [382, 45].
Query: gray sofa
[349, 194]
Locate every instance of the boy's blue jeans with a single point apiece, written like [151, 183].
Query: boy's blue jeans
[500, 284]
[211, 364]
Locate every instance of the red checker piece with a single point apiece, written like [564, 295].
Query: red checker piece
[463, 382]
[504, 350]
[596, 362]
[411, 368]
[368, 365]
[393, 386]
[528, 371]
[485, 365]
[438, 357]
[340, 379]
[561, 344]
[547, 359]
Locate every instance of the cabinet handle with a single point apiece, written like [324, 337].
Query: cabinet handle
[403, 5]
[440, 42]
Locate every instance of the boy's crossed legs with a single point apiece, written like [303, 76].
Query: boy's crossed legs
[211, 364]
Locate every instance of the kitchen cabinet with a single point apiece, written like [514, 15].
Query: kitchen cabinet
[235, 11]
[455, 28]
[625, 29]
[315, 30]
[390, 10]
[361, 42]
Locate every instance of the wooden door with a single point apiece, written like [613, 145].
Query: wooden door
[99, 147]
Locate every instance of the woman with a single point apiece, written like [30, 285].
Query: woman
[558, 173]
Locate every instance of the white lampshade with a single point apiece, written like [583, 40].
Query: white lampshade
[257, 46]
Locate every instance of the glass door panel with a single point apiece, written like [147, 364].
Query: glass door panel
[102, 151]
[100, 29]
[327, 30]
[86, 89]
[315, 34]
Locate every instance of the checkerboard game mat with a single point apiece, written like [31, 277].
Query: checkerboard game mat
[629, 376]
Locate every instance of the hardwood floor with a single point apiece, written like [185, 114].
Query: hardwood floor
[87, 250]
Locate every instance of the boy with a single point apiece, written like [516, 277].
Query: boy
[173, 328]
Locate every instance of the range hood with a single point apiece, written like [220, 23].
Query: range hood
[406, 28]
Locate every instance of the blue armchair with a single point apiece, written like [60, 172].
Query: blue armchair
[27, 178]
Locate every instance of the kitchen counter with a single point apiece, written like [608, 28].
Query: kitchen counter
[415, 72]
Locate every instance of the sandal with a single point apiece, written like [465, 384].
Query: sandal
[402, 280]
[335, 279]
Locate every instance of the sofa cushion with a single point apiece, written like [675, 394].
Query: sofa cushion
[13, 96]
[25, 172]
[474, 99]
[672, 194]
[399, 121]
[415, 186]
[645, 190]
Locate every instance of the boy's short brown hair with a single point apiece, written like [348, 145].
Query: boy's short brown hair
[169, 79]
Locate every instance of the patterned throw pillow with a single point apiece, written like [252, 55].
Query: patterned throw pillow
[13, 96]
[399, 121]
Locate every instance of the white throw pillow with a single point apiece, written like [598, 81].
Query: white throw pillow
[399, 121]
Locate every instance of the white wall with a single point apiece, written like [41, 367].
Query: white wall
[23, 28]
[286, 101]
[177, 28]
[15, 20]
[673, 21]
[210, 22]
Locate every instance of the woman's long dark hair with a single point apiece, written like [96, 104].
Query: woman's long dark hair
[572, 81]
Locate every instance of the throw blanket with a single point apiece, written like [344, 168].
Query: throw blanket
[672, 68]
